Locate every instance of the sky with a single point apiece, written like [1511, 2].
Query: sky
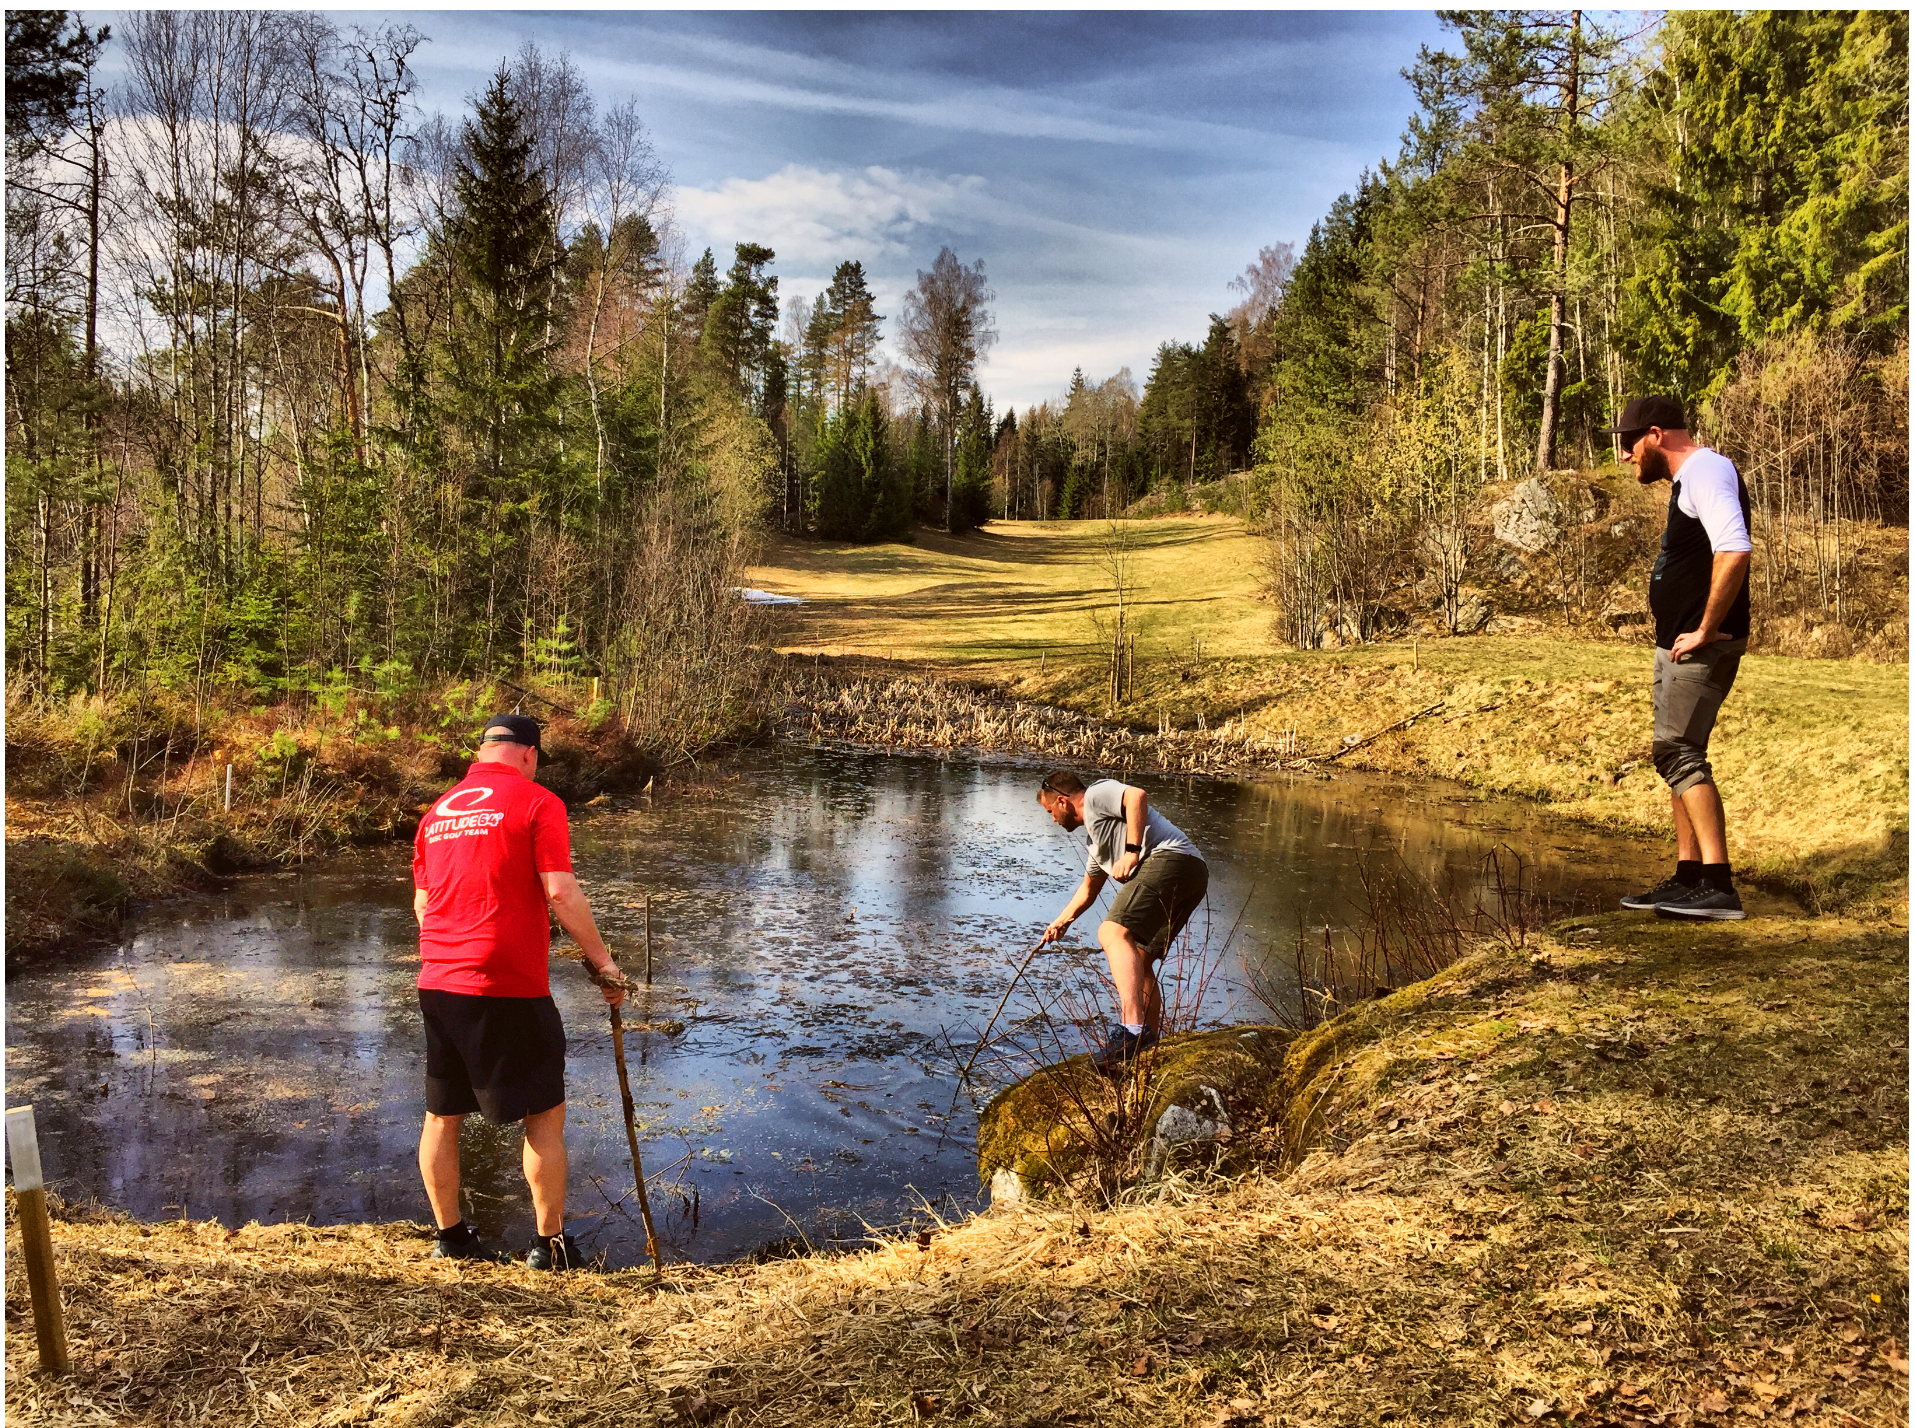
[1112, 170]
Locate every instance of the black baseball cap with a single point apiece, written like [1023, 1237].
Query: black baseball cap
[1644, 412]
[512, 729]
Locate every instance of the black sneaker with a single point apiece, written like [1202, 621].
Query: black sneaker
[554, 1252]
[1668, 890]
[1122, 1048]
[1704, 903]
[471, 1247]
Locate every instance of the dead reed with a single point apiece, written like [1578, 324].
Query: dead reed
[1404, 928]
[828, 707]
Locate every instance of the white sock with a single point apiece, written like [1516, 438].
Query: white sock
[1136, 1030]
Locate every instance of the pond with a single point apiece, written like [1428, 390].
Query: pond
[830, 932]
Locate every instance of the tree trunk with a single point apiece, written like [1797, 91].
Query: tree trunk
[1559, 270]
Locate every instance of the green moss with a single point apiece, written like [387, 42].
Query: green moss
[1067, 1132]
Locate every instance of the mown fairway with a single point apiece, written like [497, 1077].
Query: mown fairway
[1019, 589]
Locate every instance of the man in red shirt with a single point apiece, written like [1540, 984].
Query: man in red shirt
[489, 858]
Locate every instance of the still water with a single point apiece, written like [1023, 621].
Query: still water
[831, 931]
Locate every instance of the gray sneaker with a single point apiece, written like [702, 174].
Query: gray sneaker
[1668, 890]
[1121, 1049]
[1704, 903]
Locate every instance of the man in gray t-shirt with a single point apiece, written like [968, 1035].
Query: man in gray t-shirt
[1164, 879]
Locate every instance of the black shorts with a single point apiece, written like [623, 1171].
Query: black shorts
[501, 1055]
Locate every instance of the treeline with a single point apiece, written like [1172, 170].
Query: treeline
[308, 388]
[873, 452]
[1715, 207]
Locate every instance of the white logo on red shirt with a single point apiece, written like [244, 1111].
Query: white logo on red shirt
[474, 796]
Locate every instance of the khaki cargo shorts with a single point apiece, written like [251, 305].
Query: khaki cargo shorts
[1159, 899]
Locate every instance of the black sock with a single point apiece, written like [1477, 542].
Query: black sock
[1716, 875]
[457, 1234]
[1688, 871]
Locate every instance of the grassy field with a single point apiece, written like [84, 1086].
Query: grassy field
[1627, 1172]
[1812, 755]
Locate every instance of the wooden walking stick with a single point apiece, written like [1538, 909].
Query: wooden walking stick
[631, 1113]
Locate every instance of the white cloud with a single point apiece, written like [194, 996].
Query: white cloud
[816, 219]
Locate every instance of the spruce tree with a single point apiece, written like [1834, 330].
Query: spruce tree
[501, 389]
[502, 252]
[700, 293]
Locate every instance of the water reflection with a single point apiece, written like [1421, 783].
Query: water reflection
[822, 924]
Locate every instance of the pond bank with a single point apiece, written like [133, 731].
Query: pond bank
[110, 805]
[1634, 1173]
[1812, 755]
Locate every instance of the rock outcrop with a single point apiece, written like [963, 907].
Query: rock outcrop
[1065, 1132]
[1530, 518]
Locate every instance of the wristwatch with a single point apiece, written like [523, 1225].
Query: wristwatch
[1133, 847]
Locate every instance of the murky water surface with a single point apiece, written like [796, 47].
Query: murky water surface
[831, 930]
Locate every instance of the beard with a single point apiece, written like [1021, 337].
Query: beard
[1653, 466]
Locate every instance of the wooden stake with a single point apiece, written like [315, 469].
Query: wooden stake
[229, 788]
[36, 1240]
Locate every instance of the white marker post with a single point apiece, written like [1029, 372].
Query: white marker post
[36, 1239]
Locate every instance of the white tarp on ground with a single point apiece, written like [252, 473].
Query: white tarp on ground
[765, 597]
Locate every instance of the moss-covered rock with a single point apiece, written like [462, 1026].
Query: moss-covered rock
[1065, 1132]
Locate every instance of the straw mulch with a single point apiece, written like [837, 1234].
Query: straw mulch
[1655, 1175]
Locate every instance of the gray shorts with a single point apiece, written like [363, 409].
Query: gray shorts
[1687, 698]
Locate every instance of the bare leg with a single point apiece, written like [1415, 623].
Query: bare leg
[1701, 826]
[439, 1167]
[1140, 1001]
[545, 1167]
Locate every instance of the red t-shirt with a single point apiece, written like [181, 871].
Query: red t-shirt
[478, 853]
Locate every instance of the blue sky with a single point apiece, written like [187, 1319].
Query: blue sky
[1114, 171]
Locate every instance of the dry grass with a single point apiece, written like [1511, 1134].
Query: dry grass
[1655, 1175]
[1812, 754]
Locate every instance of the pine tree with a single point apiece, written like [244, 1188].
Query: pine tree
[739, 327]
[854, 331]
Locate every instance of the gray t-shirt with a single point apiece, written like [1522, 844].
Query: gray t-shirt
[1104, 828]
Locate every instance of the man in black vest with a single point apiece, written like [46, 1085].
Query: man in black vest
[1699, 595]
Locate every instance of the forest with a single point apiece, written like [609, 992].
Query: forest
[312, 394]
[310, 391]
[1714, 206]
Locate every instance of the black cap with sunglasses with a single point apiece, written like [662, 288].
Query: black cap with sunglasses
[1644, 412]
